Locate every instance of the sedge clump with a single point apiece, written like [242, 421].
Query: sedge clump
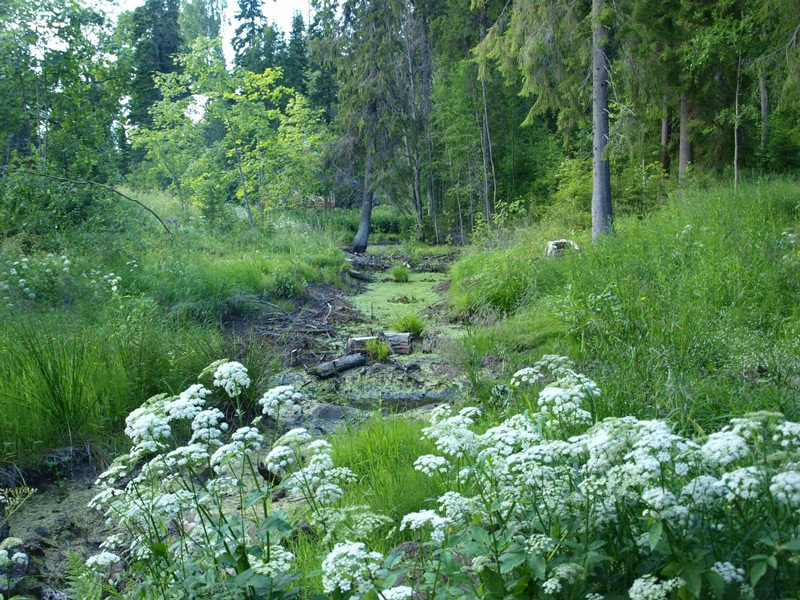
[378, 350]
[409, 323]
[401, 273]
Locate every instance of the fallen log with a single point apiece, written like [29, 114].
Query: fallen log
[359, 275]
[334, 367]
[400, 343]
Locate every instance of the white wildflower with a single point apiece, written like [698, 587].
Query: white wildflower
[728, 572]
[279, 458]
[188, 403]
[208, 426]
[147, 428]
[743, 484]
[232, 377]
[786, 488]
[724, 447]
[294, 437]
[418, 520]
[430, 465]
[455, 507]
[328, 493]
[319, 447]
[102, 560]
[349, 566]
[650, 588]
[400, 592]
[282, 402]
[525, 376]
[277, 561]
[703, 490]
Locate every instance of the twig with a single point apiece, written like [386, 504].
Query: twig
[95, 183]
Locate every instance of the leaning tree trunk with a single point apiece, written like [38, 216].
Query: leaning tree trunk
[602, 217]
[685, 151]
[360, 241]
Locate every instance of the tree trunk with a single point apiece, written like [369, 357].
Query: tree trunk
[736, 128]
[762, 82]
[602, 216]
[486, 142]
[427, 78]
[665, 131]
[362, 235]
[685, 152]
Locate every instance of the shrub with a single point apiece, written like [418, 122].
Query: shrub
[400, 273]
[409, 323]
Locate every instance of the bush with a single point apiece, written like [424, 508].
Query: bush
[409, 323]
[400, 274]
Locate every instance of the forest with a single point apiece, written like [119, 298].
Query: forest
[422, 300]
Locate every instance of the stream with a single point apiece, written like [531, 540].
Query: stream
[55, 521]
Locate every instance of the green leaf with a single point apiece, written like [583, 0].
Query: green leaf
[716, 583]
[538, 565]
[792, 545]
[511, 560]
[654, 534]
[757, 571]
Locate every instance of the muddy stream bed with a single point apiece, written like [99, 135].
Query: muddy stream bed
[56, 521]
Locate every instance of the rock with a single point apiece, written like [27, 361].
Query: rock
[557, 247]
[51, 594]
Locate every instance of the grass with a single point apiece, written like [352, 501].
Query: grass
[114, 313]
[695, 308]
[400, 273]
[409, 323]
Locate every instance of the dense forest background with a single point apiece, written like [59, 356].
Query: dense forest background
[464, 115]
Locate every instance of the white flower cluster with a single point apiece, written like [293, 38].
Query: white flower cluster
[188, 403]
[102, 560]
[785, 487]
[650, 588]
[424, 518]
[350, 567]
[728, 572]
[430, 465]
[232, 377]
[276, 561]
[282, 403]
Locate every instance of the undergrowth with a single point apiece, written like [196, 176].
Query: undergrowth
[692, 313]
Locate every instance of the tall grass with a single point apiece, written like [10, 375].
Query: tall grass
[695, 308]
[112, 313]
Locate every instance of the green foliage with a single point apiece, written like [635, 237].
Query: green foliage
[409, 323]
[693, 304]
[400, 273]
[378, 349]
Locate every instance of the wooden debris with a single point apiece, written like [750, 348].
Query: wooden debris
[400, 343]
[334, 367]
[359, 275]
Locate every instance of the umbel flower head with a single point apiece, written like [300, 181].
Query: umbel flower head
[232, 377]
[350, 567]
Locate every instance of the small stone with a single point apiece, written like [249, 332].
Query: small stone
[51, 594]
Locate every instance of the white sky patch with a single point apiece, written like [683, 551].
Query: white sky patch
[279, 12]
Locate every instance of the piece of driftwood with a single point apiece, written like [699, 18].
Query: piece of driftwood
[334, 367]
[359, 275]
[400, 343]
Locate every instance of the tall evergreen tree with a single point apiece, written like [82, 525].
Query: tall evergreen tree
[296, 59]
[157, 39]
